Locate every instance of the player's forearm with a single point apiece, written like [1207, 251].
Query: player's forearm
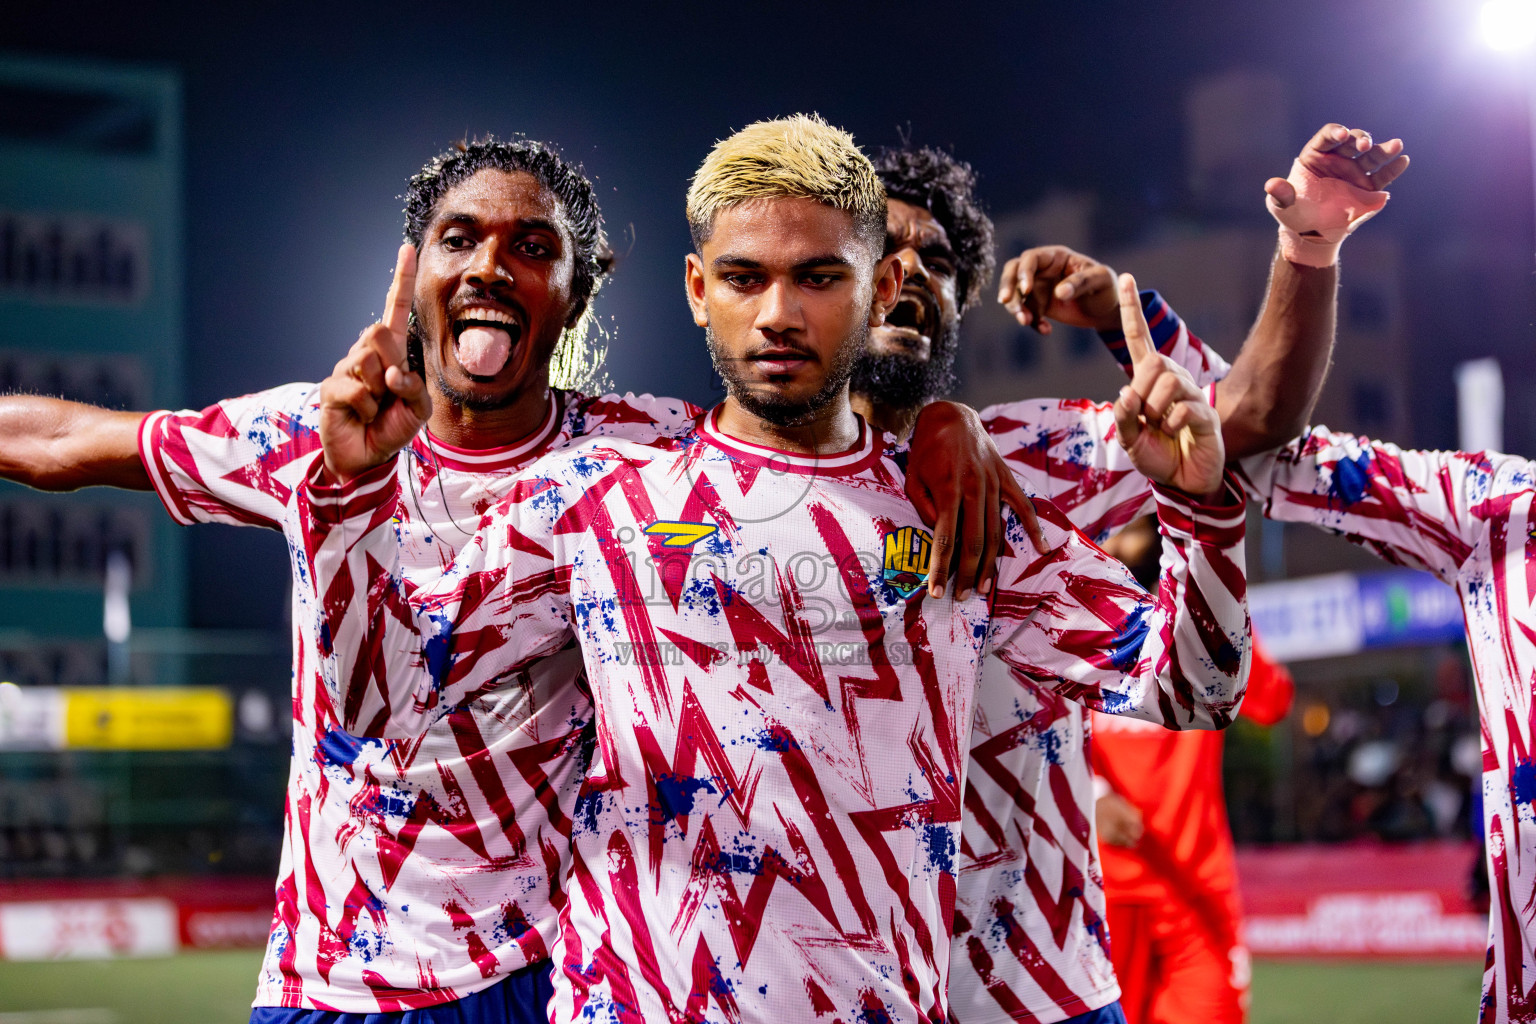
[55, 445]
[1201, 614]
[1414, 508]
[1179, 660]
[1275, 380]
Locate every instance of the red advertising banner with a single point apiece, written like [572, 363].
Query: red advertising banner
[1362, 900]
[1305, 900]
[105, 918]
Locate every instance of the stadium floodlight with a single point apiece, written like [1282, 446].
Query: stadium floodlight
[1508, 25]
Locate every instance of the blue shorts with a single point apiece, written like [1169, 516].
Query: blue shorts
[1111, 1014]
[522, 997]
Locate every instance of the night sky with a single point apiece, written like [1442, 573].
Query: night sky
[303, 123]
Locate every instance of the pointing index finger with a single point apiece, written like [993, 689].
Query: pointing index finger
[1133, 323]
[397, 305]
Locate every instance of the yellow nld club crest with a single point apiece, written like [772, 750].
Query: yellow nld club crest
[907, 552]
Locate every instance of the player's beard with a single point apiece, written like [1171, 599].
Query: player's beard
[902, 382]
[767, 404]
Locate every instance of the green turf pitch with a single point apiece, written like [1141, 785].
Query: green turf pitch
[193, 988]
[1365, 992]
[216, 988]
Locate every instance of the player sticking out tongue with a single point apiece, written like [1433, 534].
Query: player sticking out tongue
[483, 340]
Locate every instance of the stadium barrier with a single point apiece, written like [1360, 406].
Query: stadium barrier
[106, 918]
[1365, 900]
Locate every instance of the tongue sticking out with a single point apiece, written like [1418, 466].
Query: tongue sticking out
[483, 351]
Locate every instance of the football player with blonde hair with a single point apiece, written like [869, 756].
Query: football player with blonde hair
[771, 829]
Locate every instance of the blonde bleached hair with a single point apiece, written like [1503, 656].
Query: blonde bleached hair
[795, 157]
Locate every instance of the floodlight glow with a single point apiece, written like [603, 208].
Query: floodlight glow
[1509, 25]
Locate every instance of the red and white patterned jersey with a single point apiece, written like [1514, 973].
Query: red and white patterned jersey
[769, 831]
[411, 873]
[1030, 939]
[1467, 518]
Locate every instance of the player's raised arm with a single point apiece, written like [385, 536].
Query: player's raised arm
[55, 445]
[1337, 183]
[1079, 624]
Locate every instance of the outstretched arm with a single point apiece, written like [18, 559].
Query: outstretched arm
[1078, 624]
[55, 445]
[1424, 509]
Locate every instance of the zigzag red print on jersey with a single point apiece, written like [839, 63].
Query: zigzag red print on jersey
[1030, 943]
[418, 872]
[1467, 518]
[770, 827]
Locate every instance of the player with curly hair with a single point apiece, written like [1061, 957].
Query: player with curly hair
[1031, 943]
[418, 881]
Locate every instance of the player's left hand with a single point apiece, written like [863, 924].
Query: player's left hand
[958, 482]
[1164, 420]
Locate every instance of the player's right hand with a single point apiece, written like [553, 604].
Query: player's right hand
[1165, 422]
[372, 405]
[1337, 183]
[1052, 282]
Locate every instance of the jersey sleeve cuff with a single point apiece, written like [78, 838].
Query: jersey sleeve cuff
[1161, 319]
[151, 454]
[1218, 520]
[332, 501]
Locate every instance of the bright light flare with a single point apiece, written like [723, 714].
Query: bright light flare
[1509, 25]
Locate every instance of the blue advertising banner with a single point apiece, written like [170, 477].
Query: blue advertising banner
[1345, 613]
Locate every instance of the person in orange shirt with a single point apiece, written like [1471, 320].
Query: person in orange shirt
[1170, 872]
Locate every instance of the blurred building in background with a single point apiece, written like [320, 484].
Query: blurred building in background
[129, 745]
[1383, 745]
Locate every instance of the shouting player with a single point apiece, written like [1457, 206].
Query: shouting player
[416, 878]
[1030, 934]
[770, 827]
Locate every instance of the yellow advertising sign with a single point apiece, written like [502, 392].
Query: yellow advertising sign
[150, 718]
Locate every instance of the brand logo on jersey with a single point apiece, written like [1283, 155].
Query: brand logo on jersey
[680, 535]
[907, 552]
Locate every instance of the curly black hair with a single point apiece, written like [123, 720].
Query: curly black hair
[463, 160]
[946, 188]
